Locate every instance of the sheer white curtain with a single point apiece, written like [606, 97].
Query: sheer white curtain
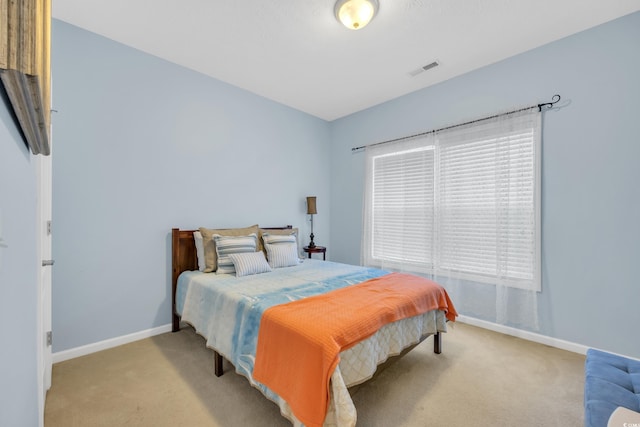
[462, 206]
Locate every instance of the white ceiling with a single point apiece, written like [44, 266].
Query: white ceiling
[296, 53]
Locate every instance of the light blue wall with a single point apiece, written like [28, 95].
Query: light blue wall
[142, 145]
[590, 178]
[18, 275]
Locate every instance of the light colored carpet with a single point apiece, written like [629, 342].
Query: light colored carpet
[482, 378]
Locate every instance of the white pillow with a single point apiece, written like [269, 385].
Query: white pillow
[282, 250]
[197, 236]
[226, 245]
[249, 263]
[276, 239]
[284, 255]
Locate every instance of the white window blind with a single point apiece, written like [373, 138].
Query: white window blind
[403, 203]
[463, 202]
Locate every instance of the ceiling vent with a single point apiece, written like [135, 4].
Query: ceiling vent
[424, 68]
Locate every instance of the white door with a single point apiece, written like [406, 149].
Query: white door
[44, 228]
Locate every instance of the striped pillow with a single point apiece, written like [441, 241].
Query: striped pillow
[275, 239]
[249, 263]
[282, 250]
[226, 245]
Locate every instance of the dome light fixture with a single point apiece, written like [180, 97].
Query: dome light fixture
[355, 14]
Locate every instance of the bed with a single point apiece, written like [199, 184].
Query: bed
[233, 314]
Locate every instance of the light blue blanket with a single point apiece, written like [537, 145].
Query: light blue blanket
[226, 310]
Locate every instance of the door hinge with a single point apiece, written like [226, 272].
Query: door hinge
[49, 339]
[48, 228]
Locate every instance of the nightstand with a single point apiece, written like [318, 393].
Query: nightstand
[316, 250]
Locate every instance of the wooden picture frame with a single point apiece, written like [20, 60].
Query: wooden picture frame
[25, 67]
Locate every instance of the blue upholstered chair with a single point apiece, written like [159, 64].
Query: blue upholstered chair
[610, 381]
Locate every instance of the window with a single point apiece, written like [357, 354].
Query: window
[463, 202]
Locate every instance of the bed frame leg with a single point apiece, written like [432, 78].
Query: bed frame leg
[437, 343]
[217, 363]
[175, 323]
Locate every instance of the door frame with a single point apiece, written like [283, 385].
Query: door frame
[44, 234]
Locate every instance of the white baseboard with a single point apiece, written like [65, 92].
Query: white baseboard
[72, 353]
[530, 336]
[61, 356]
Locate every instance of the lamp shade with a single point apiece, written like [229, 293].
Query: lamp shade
[355, 14]
[311, 205]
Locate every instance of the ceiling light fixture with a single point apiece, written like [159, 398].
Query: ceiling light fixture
[355, 14]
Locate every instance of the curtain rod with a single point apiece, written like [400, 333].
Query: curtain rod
[538, 106]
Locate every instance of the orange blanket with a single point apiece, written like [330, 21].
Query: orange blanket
[299, 342]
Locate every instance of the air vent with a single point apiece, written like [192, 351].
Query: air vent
[424, 68]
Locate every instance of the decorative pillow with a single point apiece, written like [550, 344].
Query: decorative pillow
[276, 239]
[249, 263]
[282, 255]
[211, 258]
[226, 245]
[284, 231]
[197, 236]
[282, 250]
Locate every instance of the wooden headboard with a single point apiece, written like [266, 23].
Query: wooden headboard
[184, 258]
